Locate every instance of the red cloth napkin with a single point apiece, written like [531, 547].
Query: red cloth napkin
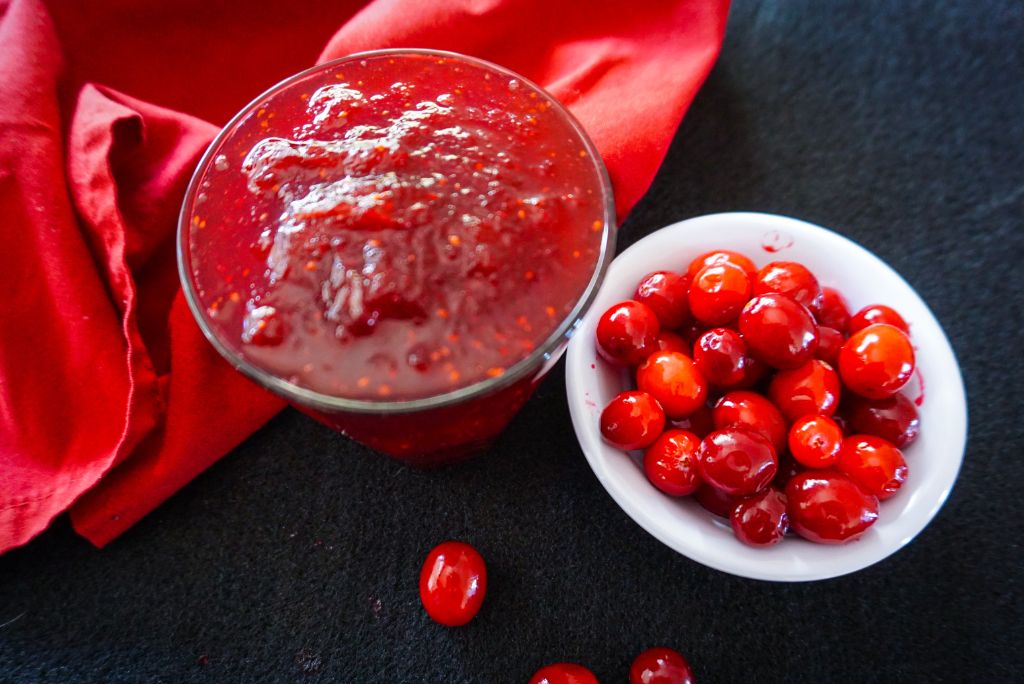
[110, 398]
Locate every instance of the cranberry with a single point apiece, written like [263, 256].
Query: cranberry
[666, 294]
[632, 420]
[671, 462]
[563, 673]
[673, 379]
[761, 519]
[669, 341]
[721, 256]
[453, 583]
[874, 464]
[788, 469]
[830, 341]
[715, 501]
[718, 293]
[834, 312]
[778, 330]
[893, 419]
[792, 279]
[877, 313]
[808, 389]
[700, 422]
[828, 507]
[754, 370]
[721, 356]
[876, 361]
[737, 460]
[660, 665]
[692, 332]
[627, 333]
[751, 410]
[815, 441]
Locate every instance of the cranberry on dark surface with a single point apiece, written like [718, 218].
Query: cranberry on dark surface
[877, 313]
[453, 583]
[660, 665]
[715, 501]
[673, 379]
[815, 441]
[670, 341]
[742, 408]
[627, 333]
[894, 418]
[632, 420]
[563, 673]
[778, 330]
[721, 356]
[737, 460]
[666, 294]
[718, 293]
[812, 388]
[874, 464]
[876, 361]
[830, 341]
[700, 422]
[720, 256]
[761, 519]
[671, 462]
[834, 312]
[791, 279]
[827, 507]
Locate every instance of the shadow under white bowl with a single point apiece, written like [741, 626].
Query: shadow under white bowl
[933, 459]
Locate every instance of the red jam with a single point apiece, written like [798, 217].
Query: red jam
[396, 226]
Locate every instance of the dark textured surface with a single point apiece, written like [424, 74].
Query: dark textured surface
[296, 558]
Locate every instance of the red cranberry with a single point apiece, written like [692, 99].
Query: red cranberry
[627, 333]
[737, 460]
[715, 501]
[754, 371]
[874, 464]
[718, 293]
[830, 341]
[761, 519]
[877, 313]
[827, 507]
[692, 332]
[788, 469]
[666, 294]
[876, 361]
[632, 420]
[815, 441]
[834, 312]
[894, 418]
[778, 330]
[721, 356]
[453, 583]
[808, 389]
[671, 462]
[669, 341]
[660, 665]
[751, 410]
[563, 673]
[700, 422]
[792, 279]
[721, 256]
[673, 379]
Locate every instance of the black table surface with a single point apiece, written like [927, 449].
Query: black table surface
[296, 557]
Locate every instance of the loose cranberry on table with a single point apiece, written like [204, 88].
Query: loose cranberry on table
[718, 293]
[666, 294]
[632, 420]
[812, 388]
[671, 462]
[669, 341]
[778, 330]
[830, 341]
[715, 501]
[827, 507]
[792, 279]
[673, 379]
[874, 464]
[721, 357]
[834, 312]
[815, 441]
[876, 361]
[742, 408]
[563, 673]
[737, 460]
[894, 418]
[660, 665]
[627, 333]
[877, 313]
[700, 422]
[761, 519]
[721, 256]
[453, 583]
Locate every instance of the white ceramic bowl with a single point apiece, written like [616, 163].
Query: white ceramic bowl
[933, 459]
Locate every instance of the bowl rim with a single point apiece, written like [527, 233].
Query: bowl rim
[581, 354]
[537, 359]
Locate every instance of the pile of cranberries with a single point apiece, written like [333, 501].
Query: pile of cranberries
[758, 393]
